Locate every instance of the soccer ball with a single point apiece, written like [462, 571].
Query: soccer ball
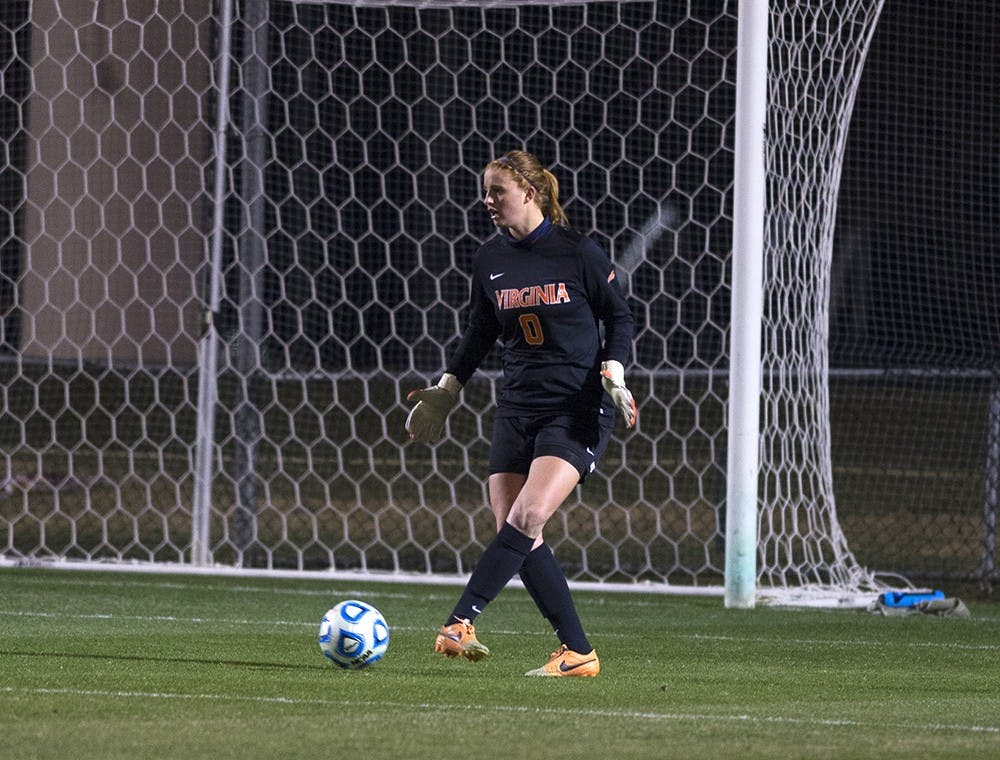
[353, 634]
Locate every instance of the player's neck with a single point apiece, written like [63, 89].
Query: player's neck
[527, 225]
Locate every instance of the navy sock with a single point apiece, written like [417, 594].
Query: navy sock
[546, 583]
[501, 560]
[528, 579]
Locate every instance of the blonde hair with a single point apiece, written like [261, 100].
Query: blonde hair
[529, 172]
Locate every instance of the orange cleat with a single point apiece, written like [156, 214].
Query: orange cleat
[459, 640]
[565, 662]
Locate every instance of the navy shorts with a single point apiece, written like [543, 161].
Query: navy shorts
[581, 441]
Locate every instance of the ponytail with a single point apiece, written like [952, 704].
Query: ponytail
[554, 211]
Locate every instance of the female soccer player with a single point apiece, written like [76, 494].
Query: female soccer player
[543, 290]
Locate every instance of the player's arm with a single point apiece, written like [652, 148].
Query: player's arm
[612, 309]
[426, 420]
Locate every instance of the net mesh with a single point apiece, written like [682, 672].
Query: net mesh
[355, 138]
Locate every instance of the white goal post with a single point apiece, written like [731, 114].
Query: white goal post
[244, 233]
[749, 185]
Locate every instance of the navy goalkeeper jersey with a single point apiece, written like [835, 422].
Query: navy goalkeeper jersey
[544, 297]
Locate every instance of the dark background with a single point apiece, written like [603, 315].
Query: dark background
[917, 261]
[916, 267]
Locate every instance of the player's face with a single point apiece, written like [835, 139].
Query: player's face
[508, 204]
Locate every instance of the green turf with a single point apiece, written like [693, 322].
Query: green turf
[99, 665]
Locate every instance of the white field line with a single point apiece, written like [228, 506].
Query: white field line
[507, 709]
[848, 643]
[332, 593]
[944, 645]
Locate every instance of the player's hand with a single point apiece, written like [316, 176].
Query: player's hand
[613, 379]
[425, 423]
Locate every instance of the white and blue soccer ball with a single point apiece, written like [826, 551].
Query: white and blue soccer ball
[353, 634]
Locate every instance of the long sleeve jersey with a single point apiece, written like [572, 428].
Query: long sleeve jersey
[545, 298]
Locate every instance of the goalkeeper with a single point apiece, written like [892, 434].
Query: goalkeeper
[544, 291]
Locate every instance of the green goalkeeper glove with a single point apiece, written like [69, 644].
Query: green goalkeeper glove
[425, 423]
[613, 379]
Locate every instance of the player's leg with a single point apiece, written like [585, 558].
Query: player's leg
[541, 574]
[510, 459]
[547, 485]
[504, 488]
[546, 583]
[550, 480]
[580, 442]
[498, 564]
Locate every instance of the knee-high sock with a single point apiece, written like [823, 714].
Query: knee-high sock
[546, 583]
[501, 560]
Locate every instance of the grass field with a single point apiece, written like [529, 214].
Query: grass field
[107, 665]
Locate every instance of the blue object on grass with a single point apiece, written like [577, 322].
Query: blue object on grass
[908, 598]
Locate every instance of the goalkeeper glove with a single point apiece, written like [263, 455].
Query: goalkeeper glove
[425, 423]
[613, 379]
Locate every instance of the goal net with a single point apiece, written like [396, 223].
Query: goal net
[291, 198]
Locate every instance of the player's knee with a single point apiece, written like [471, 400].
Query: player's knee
[527, 519]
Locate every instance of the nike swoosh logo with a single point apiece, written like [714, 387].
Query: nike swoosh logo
[567, 668]
[452, 636]
[494, 276]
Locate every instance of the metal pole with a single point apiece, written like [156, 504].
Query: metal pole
[743, 454]
[208, 346]
[252, 256]
[989, 567]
